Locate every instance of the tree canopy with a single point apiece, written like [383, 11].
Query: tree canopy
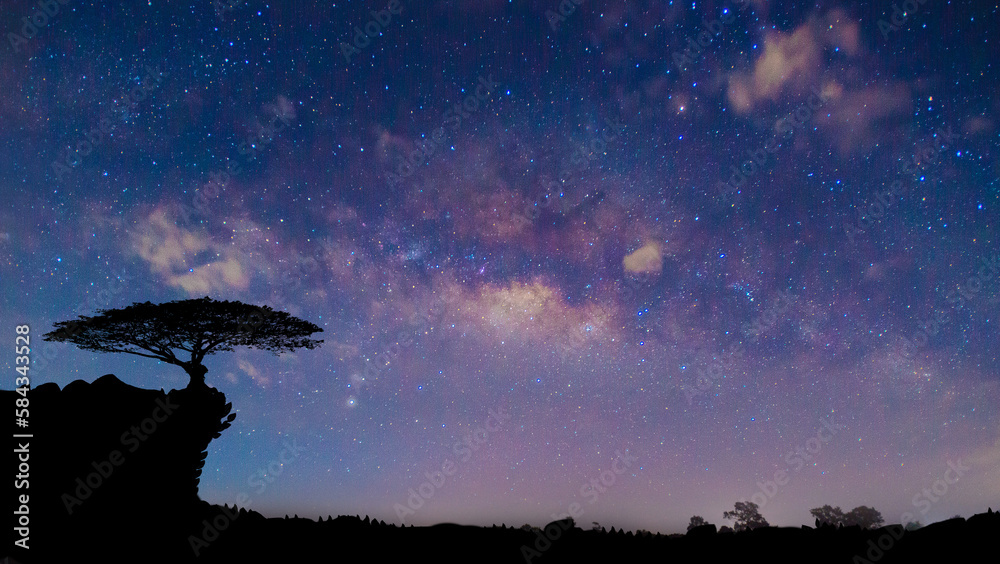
[197, 327]
[747, 516]
[862, 516]
[696, 521]
[828, 515]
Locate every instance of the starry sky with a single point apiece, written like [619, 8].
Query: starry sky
[650, 258]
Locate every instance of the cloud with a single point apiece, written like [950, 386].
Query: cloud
[786, 57]
[254, 374]
[977, 124]
[206, 278]
[282, 107]
[862, 117]
[793, 61]
[842, 32]
[174, 253]
[165, 246]
[648, 258]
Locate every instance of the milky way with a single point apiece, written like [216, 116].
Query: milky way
[638, 260]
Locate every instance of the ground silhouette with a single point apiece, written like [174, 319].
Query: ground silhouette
[114, 473]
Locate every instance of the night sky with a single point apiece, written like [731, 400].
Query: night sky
[638, 256]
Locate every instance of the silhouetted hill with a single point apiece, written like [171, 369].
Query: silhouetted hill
[112, 466]
[114, 473]
[352, 540]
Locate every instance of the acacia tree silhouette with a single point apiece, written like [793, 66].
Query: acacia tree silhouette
[199, 327]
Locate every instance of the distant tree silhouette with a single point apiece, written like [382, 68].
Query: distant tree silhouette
[865, 517]
[199, 327]
[747, 516]
[827, 515]
[913, 525]
[696, 521]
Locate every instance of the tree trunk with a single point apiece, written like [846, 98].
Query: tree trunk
[197, 374]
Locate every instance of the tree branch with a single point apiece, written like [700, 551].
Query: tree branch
[167, 360]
